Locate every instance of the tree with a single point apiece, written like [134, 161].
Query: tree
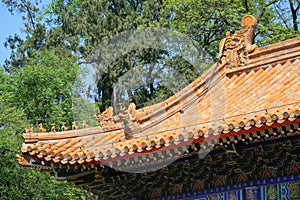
[39, 35]
[16, 181]
[93, 22]
[207, 21]
[44, 88]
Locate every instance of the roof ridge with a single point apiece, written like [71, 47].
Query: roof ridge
[270, 55]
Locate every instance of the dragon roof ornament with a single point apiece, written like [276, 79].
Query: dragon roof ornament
[234, 50]
[127, 119]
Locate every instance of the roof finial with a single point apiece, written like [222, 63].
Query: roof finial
[234, 50]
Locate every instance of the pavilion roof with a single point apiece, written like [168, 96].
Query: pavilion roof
[248, 89]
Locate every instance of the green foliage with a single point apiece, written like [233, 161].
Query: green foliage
[44, 88]
[9, 115]
[93, 22]
[207, 21]
[16, 181]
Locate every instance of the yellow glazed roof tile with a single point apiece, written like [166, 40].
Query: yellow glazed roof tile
[262, 91]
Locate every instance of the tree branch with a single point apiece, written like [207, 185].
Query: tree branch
[246, 5]
[264, 9]
[294, 15]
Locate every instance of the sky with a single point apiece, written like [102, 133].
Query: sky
[9, 25]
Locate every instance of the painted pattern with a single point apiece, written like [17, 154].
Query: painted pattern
[280, 191]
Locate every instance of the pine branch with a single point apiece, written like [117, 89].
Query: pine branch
[29, 11]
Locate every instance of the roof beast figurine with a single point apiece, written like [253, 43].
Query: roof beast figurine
[234, 50]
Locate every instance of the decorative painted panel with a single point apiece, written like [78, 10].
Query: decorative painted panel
[272, 193]
[294, 190]
[252, 193]
[280, 191]
[232, 195]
